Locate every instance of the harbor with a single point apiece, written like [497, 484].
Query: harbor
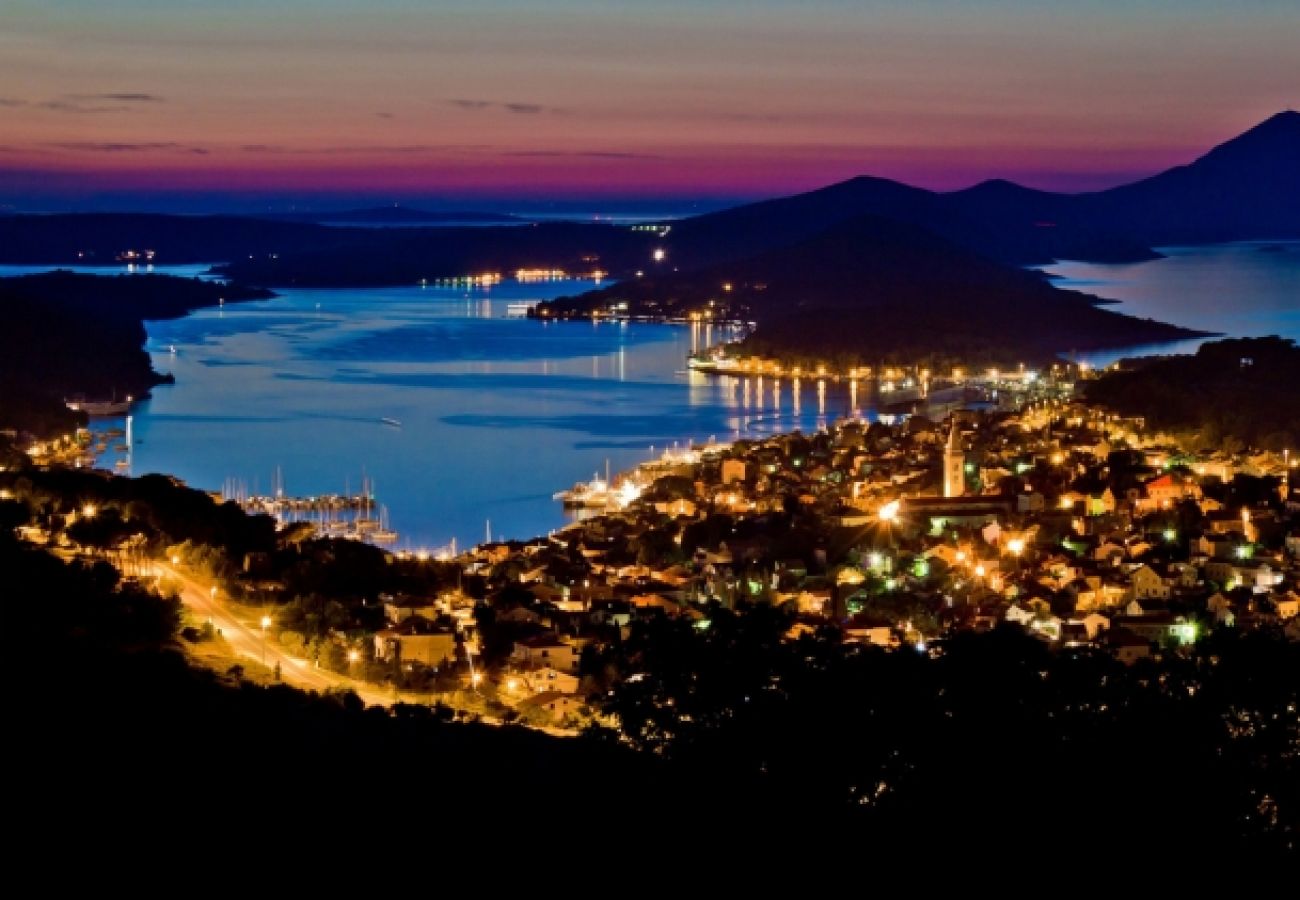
[346, 515]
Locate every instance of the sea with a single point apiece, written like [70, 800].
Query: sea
[466, 418]
[1240, 289]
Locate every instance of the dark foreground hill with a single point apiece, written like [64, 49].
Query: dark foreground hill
[874, 290]
[67, 334]
[837, 746]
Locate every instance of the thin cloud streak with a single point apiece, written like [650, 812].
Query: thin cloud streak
[126, 147]
[122, 97]
[516, 107]
[580, 154]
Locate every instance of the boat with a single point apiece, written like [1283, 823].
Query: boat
[713, 361]
[594, 493]
[388, 420]
[363, 524]
[383, 534]
[112, 407]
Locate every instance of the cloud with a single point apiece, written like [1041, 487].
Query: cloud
[85, 103]
[72, 106]
[355, 150]
[124, 147]
[121, 97]
[582, 154]
[527, 109]
[384, 115]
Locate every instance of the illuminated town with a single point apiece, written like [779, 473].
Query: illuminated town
[864, 433]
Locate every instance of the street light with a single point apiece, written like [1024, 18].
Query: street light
[266, 623]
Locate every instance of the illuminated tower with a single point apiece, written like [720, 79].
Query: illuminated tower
[954, 465]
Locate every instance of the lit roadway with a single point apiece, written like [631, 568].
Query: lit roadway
[249, 640]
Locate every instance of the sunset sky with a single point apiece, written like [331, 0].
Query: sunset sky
[228, 104]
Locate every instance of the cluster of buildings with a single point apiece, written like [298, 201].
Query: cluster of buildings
[1075, 525]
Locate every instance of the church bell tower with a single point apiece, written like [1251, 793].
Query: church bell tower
[954, 465]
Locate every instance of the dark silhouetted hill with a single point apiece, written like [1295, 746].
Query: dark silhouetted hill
[871, 290]
[1248, 187]
[67, 334]
[1245, 390]
[395, 215]
[98, 238]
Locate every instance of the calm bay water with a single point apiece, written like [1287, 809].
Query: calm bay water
[1243, 289]
[498, 412]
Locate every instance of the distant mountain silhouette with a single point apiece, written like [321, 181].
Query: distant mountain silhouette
[393, 215]
[871, 289]
[97, 238]
[1248, 187]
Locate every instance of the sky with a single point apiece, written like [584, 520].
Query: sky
[273, 104]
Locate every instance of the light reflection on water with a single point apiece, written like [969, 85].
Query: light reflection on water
[1241, 289]
[497, 413]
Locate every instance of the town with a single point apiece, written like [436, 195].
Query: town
[1043, 513]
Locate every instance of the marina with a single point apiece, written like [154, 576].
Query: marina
[344, 515]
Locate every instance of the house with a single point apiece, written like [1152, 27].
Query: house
[1287, 606]
[1165, 491]
[679, 508]
[545, 679]
[1094, 624]
[1019, 615]
[546, 650]
[1293, 544]
[1126, 646]
[1092, 592]
[1109, 553]
[399, 609]
[1218, 546]
[1256, 574]
[553, 702]
[1220, 607]
[862, 631]
[1145, 584]
[416, 639]
[733, 470]
[814, 602]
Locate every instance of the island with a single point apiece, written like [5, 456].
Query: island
[872, 292]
